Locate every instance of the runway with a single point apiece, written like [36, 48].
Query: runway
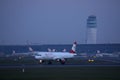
[52, 66]
[83, 70]
[77, 62]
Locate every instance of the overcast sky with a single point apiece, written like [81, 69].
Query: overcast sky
[57, 21]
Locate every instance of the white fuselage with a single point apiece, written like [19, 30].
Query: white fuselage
[53, 55]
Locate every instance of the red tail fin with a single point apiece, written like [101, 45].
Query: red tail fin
[73, 50]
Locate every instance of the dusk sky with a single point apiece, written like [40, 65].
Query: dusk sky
[57, 21]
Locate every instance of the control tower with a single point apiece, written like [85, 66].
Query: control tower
[91, 30]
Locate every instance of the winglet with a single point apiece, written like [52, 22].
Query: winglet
[30, 49]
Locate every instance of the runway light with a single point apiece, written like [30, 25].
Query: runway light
[90, 60]
[23, 70]
[40, 61]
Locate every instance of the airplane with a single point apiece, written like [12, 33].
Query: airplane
[20, 55]
[58, 56]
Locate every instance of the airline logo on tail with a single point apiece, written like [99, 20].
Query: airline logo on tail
[73, 50]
